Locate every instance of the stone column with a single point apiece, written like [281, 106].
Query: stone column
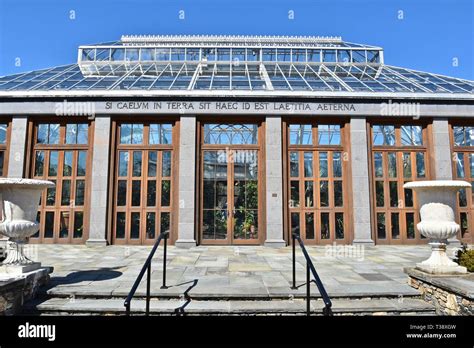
[99, 181]
[187, 182]
[442, 150]
[274, 182]
[443, 160]
[360, 182]
[16, 157]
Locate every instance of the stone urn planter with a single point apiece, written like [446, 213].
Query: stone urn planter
[19, 199]
[437, 201]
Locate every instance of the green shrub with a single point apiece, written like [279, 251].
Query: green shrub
[465, 258]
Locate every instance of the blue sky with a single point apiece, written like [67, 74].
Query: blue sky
[431, 36]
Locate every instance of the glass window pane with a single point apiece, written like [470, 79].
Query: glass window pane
[393, 187]
[460, 173]
[126, 134]
[66, 192]
[329, 134]
[294, 193]
[3, 133]
[137, 133]
[150, 225]
[420, 165]
[379, 194]
[295, 223]
[165, 193]
[71, 133]
[166, 164]
[123, 163]
[67, 166]
[323, 164]
[383, 135]
[309, 193]
[42, 137]
[82, 133]
[337, 165]
[53, 163]
[81, 163]
[151, 193]
[137, 163]
[231, 134]
[64, 224]
[411, 135]
[407, 165]
[392, 165]
[53, 137]
[378, 163]
[294, 166]
[324, 193]
[381, 231]
[308, 164]
[51, 195]
[136, 191]
[338, 194]
[48, 224]
[408, 197]
[309, 225]
[165, 222]
[395, 225]
[301, 134]
[120, 226]
[135, 225]
[80, 191]
[462, 198]
[410, 225]
[39, 163]
[339, 225]
[152, 163]
[122, 193]
[78, 224]
[325, 229]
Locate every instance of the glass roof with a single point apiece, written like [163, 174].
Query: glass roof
[252, 63]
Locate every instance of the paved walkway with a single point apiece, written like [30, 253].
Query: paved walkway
[234, 272]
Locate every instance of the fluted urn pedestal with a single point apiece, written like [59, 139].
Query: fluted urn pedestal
[19, 199]
[437, 201]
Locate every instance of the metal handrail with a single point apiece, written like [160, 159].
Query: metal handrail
[147, 267]
[310, 269]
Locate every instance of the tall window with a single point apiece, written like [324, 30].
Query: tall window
[463, 157]
[144, 182]
[61, 155]
[399, 155]
[317, 182]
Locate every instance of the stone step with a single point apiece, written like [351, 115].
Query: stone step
[237, 292]
[114, 306]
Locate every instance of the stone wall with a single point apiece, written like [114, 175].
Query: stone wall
[15, 292]
[451, 295]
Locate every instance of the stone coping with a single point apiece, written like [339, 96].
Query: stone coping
[459, 284]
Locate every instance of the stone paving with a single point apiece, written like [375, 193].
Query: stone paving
[228, 271]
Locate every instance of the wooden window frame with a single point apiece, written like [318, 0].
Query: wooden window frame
[57, 208]
[145, 148]
[315, 149]
[466, 150]
[399, 149]
[6, 147]
[260, 147]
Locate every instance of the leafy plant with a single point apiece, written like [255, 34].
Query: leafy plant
[465, 257]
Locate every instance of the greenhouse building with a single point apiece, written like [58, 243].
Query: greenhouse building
[235, 140]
